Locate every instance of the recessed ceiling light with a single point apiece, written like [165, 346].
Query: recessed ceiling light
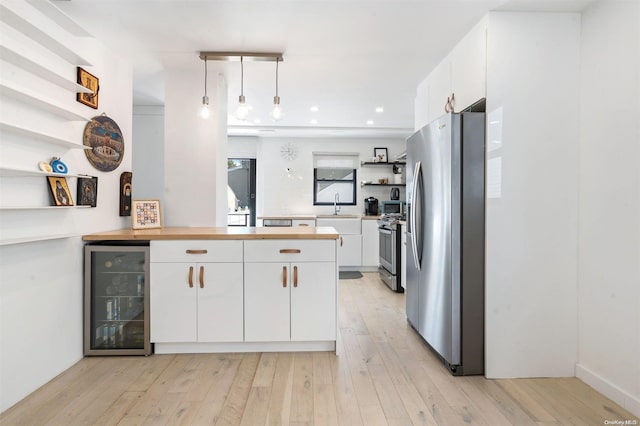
[314, 121]
[314, 109]
[369, 122]
[380, 109]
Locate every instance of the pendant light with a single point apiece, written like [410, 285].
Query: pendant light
[243, 110]
[204, 111]
[276, 112]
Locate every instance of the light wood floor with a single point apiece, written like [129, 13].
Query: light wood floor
[386, 376]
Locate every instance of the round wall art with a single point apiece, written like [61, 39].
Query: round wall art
[104, 137]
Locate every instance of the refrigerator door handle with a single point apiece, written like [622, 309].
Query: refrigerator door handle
[412, 218]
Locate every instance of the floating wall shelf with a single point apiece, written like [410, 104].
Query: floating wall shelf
[33, 31]
[24, 95]
[16, 172]
[35, 68]
[23, 131]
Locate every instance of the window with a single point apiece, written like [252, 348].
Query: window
[334, 173]
[331, 184]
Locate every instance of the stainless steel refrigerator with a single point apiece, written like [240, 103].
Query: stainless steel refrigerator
[445, 238]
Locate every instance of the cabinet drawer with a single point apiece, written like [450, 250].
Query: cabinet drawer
[196, 251]
[290, 251]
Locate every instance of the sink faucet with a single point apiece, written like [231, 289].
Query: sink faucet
[336, 207]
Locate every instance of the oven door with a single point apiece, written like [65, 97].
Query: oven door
[388, 249]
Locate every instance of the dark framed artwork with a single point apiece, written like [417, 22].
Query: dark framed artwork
[60, 193]
[87, 193]
[125, 194]
[104, 137]
[91, 82]
[380, 155]
[146, 214]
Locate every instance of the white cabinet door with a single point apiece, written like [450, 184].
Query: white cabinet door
[439, 89]
[469, 68]
[370, 243]
[173, 302]
[350, 250]
[220, 302]
[266, 302]
[313, 301]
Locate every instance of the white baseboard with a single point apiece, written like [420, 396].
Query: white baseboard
[626, 400]
[195, 348]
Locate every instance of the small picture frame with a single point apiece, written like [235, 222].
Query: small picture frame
[60, 193]
[125, 194]
[380, 155]
[146, 214]
[91, 82]
[87, 193]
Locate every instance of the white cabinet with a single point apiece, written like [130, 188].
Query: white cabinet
[197, 291]
[350, 241]
[350, 250]
[370, 244]
[288, 296]
[303, 222]
[469, 67]
[461, 73]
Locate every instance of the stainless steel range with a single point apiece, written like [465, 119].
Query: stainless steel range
[390, 230]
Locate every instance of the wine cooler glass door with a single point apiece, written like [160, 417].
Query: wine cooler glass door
[116, 321]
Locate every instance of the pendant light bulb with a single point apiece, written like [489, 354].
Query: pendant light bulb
[276, 112]
[242, 111]
[204, 110]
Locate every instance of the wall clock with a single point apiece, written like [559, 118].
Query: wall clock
[288, 151]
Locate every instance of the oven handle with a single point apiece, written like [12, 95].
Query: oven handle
[385, 231]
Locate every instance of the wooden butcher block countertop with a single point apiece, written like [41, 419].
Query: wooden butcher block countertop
[221, 233]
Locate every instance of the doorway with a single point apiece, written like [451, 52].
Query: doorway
[241, 192]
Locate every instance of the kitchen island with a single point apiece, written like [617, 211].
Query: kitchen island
[239, 289]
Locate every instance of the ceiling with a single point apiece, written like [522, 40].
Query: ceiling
[346, 57]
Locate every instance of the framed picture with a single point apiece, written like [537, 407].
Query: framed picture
[91, 82]
[380, 154]
[125, 194]
[145, 214]
[60, 193]
[87, 193]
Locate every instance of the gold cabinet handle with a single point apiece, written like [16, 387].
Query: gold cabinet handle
[201, 277]
[295, 276]
[190, 276]
[303, 224]
[196, 251]
[284, 276]
[341, 241]
[289, 250]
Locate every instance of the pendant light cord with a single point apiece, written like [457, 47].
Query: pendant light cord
[205, 77]
[277, 61]
[241, 77]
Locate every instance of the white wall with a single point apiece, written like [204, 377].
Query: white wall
[609, 201]
[282, 192]
[41, 282]
[148, 152]
[532, 69]
[194, 151]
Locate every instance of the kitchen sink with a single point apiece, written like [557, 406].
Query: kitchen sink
[344, 224]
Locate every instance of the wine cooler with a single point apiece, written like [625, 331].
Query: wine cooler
[116, 300]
